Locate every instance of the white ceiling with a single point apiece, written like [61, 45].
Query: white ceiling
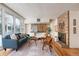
[39, 10]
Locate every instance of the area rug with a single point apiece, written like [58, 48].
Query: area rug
[31, 49]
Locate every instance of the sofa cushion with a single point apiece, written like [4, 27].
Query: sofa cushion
[22, 39]
[7, 37]
[21, 35]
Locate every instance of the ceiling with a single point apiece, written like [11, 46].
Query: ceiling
[42, 10]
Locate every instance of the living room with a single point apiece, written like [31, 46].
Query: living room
[17, 24]
[25, 26]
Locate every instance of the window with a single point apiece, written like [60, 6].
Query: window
[17, 26]
[0, 24]
[74, 26]
[74, 30]
[9, 24]
[9, 27]
[0, 29]
[74, 22]
[33, 28]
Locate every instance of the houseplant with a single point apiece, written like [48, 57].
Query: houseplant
[49, 30]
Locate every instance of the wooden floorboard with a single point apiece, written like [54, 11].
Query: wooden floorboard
[71, 51]
[5, 53]
[61, 51]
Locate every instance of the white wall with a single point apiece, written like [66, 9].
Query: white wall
[74, 38]
[28, 28]
[34, 20]
[53, 25]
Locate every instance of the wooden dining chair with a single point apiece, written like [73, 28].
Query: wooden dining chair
[47, 41]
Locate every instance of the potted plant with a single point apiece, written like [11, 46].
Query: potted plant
[49, 30]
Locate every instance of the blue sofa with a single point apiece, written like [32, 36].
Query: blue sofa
[14, 44]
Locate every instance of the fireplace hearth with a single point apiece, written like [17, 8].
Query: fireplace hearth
[62, 37]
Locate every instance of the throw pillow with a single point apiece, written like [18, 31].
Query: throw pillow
[13, 36]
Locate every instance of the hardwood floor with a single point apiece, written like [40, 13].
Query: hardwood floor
[5, 53]
[60, 51]
[71, 51]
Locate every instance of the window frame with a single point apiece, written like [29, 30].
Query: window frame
[19, 25]
[6, 29]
